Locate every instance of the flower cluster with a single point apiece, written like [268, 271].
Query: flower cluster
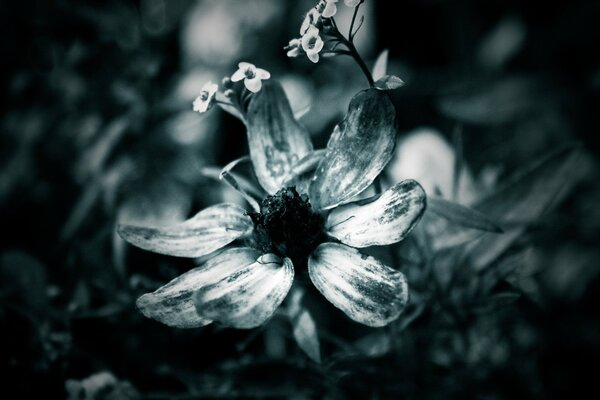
[252, 78]
[316, 20]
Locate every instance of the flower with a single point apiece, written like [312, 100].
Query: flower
[329, 8]
[352, 3]
[294, 47]
[251, 75]
[310, 19]
[310, 218]
[206, 99]
[312, 43]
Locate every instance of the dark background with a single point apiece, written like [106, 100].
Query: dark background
[96, 126]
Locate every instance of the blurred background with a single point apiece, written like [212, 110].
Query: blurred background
[97, 127]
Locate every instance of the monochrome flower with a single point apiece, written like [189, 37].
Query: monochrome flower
[206, 99]
[312, 43]
[310, 19]
[251, 75]
[309, 218]
[329, 8]
[294, 47]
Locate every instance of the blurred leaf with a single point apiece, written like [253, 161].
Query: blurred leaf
[380, 67]
[305, 334]
[496, 301]
[225, 105]
[375, 345]
[535, 189]
[23, 281]
[389, 82]
[490, 103]
[524, 198]
[461, 215]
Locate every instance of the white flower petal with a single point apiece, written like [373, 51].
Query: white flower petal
[358, 150]
[365, 289]
[249, 296]
[200, 105]
[262, 73]
[330, 9]
[173, 304]
[384, 221]
[209, 230]
[238, 75]
[275, 139]
[243, 66]
[312, 56]
[254, 85]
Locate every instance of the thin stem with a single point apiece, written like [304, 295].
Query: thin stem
[350, 35]
[353, 52]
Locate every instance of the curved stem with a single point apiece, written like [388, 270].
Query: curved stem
[352, 50]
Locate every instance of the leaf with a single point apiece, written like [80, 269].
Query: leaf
[524, 198]
[461, 215]
[305, 334]
[380, 67]
[388, 82]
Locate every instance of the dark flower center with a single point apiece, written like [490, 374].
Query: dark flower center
[249, 73]
[287, 226]
[204, 95]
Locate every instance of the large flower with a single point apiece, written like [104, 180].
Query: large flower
[308, 219]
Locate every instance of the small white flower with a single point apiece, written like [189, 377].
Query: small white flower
[207, 97]
[251, 75]
[311, 19]
[312, 43]
[294, 48]
[330, 8]
[352, 3]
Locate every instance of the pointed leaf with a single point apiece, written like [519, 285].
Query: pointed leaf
[461, 215]
[525, 198]
[276, 140]
[380, 67]
[249, 296]
[209, 230]
[173, 304]
[358, 150]
[305, 334]
[386, 220]
[388, 82]
[365, 289]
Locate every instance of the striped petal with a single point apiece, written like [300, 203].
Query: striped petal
[385, 220]
[249, 296]
[302, 172]
[173, 304]
[275, 138]
[358, 150]
[366, 290]
[209, 230]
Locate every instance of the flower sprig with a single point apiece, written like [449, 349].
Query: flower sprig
[320, 36]
[231, 98]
